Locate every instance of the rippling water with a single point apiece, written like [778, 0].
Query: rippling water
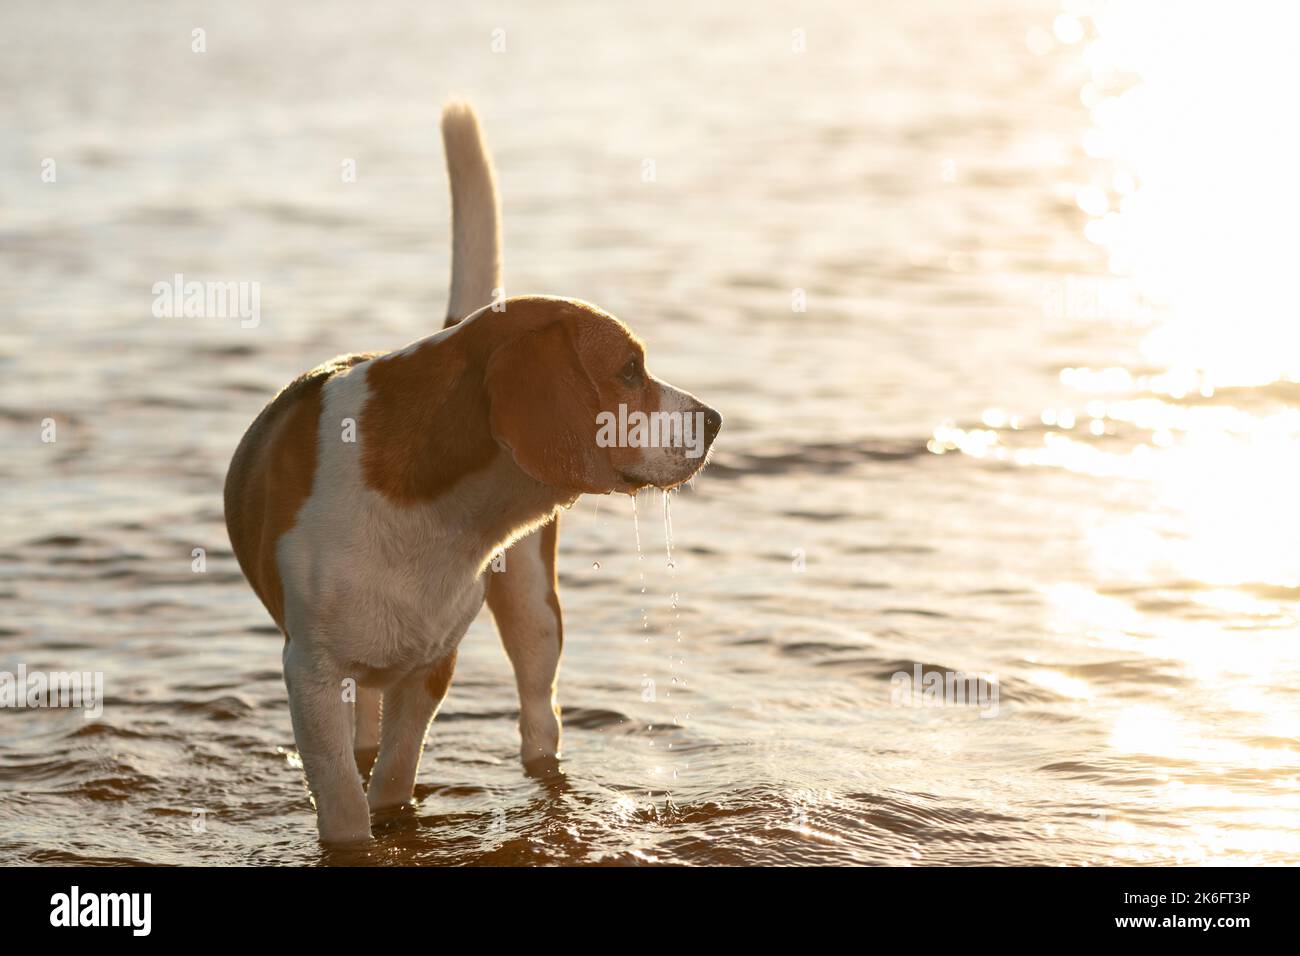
[1039, 421]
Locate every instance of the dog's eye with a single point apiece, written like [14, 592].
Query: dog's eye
[631, 373]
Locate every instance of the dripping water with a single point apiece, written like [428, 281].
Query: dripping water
[675, 603]
[640, 564]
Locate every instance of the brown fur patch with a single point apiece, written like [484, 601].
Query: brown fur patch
[522, 377]
[543, 408]
[424, 425]
[271, 475]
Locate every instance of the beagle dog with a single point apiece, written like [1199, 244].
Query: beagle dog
[368, 499]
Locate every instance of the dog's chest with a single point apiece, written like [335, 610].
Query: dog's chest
[371, 582]
[378, 585]
[414, 597]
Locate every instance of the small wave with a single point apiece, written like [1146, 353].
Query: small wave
[228, 707]
[586, 718]
[819, 458]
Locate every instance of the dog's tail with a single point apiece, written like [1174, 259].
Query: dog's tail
[475, 214]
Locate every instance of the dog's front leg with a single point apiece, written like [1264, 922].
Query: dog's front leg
[409, 706]
[365, 741]
[526, 606]
[322, 728]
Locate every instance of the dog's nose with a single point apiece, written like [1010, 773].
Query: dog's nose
[712, 424]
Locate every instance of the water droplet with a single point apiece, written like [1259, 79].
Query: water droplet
[640, 563]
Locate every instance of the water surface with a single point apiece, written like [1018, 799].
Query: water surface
[1038, 420]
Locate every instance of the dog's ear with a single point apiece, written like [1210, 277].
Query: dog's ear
[543, 407]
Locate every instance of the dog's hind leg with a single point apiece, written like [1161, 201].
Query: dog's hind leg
[409, 706]
[365, 736]
[526, 605]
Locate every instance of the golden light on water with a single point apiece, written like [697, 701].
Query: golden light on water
[1195, 193]
[1193, 200]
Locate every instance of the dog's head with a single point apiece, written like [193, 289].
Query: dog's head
[571, 398]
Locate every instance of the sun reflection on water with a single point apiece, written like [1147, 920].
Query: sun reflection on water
[1192, 198]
